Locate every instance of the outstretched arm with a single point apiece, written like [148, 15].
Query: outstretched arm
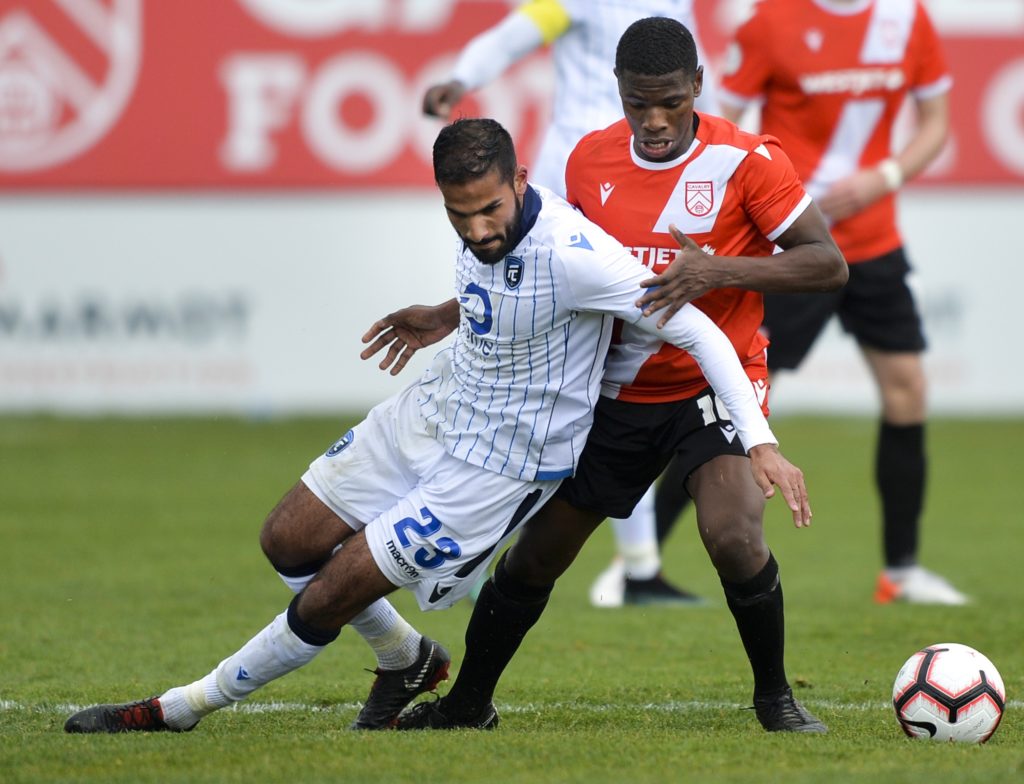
[491, 53]
[406, 331]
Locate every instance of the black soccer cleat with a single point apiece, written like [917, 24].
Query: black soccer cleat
[784, 713]
[394, 689]
[430, 716]
[141, 716]
[658, 590]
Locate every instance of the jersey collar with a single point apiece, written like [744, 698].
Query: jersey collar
[844, 9]
[662, 165]
[531, 209]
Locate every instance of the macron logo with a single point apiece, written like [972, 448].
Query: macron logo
[579, 241]
[243, 675]
[606, 191]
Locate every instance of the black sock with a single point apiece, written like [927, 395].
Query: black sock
[504, 612]
[900, 468]
[670, 500]
[757, 607]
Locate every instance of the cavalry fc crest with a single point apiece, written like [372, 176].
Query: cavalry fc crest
[700, 198]
[54, 102]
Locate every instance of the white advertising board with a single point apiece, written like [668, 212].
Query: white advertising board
[157, 303]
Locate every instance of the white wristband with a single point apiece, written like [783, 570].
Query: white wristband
[891, 173]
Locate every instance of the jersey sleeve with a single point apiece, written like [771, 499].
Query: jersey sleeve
[602, 276]
[930, 75]
[550, 17]
[574, 168]
[772, 193]
[491, 53]
[747, 67]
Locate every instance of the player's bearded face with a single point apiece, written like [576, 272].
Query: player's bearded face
[487, 213]
[659, 110]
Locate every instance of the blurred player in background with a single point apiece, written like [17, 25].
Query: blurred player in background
[436, 479]
[583, 35]
[831, 76]
[735, 196]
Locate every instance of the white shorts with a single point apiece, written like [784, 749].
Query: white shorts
[433, 522]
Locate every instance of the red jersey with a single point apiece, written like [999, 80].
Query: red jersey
[733, 193]
[833, 77]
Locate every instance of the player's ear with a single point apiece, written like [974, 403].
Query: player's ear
[519, 183]
[698, 81]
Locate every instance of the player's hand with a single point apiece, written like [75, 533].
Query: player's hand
[770, 468]
[851, 195]
[686, 278]
[440, 99]
[405, 332]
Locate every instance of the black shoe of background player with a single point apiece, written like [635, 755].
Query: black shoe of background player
[782, 713]
[431, 716]
[394, 689]
[658, 591]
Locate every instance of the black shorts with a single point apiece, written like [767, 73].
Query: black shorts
[631, 443]
[876, 306]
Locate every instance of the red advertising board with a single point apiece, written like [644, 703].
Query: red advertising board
[241, 94]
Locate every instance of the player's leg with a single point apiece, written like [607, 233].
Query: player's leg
[670, 500]
[730, 510]
[344, 586]
[298, 538]
[729, 515]
[357, 475]
[508, 606]
[879, 310]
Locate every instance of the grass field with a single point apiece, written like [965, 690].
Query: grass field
[130, 563]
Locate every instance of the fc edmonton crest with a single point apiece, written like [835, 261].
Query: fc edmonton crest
[341, 443]
[513, 271]
[700, 198]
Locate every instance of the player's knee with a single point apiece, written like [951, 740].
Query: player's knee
[532, 565]
[514, 587]
[737, 542]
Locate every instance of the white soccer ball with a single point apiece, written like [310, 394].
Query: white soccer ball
[949, 692]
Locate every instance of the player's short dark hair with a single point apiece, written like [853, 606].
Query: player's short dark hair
[468, 149]
[656, 46]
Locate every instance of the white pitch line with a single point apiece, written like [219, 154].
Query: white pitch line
[532, 707]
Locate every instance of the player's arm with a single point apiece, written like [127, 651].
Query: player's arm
[606, 279]
[406, 331]
[864, 187]
[775, 201]
[810, 261]
[491, 53]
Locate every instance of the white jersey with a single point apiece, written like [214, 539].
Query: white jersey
[514, 394]
[586, 91]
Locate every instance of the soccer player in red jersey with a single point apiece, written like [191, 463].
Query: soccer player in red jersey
[735, 197]
[831, 76]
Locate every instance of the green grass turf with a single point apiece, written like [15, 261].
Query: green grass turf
[130, 563]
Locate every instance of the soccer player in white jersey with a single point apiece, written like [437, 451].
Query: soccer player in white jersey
[425, 490]
[583, 35]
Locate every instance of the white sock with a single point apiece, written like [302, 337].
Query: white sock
[273, 652]
[636, 538]
[396, 643]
